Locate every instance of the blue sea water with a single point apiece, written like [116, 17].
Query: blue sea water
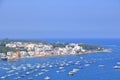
[91, 72]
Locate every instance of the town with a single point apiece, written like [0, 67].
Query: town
[27, 49]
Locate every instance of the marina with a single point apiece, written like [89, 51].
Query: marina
[45, 70]
[64, 67]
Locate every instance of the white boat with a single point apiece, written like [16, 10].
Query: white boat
[10, 71]
[57, 71]
[116, 67]
[47, 78]
[75, 70]
[77, 63]
[118, 63]
[62, 70]
[67, 64]
[61, 67]
[101, 66]
[87, 65]
[3, 77]
[14, 67]
[50, 66]
[27, 73]
[38, 66]
[40, 73]
[70, 73]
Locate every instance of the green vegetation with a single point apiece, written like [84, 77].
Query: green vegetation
[90, 47]
[3, 48]
[21, 49]
[61, 45]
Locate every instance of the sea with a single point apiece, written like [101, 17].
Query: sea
[95, 66]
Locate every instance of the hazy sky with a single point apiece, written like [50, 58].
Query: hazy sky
[36, 19]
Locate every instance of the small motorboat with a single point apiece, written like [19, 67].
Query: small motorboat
[118, 63]
[47, 78]
[70, 73]
[73, 71]
[27, 73]
[116, 67]
[4, 58]
[101, 66]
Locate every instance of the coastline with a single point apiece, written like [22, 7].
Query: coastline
[15, 50]
[50, 56]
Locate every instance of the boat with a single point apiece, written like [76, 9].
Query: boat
[75, 70]
[27, 73]
[57, 71]
[50, 66]
[87, 65]
[4, 58]
[77, 63]
[101, 66]
[40, 73]
[47, 78]
[3, 77]
[116, 67]
[118, 63]
[61, 67]
[70, 73]
[63, 70]
[67, 64]
[38, 66]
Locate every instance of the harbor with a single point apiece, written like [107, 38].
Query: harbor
[58, 68]
[97, 66]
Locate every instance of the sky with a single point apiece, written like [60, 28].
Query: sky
[50, 19]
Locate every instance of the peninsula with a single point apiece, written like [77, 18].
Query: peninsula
[13, 50]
